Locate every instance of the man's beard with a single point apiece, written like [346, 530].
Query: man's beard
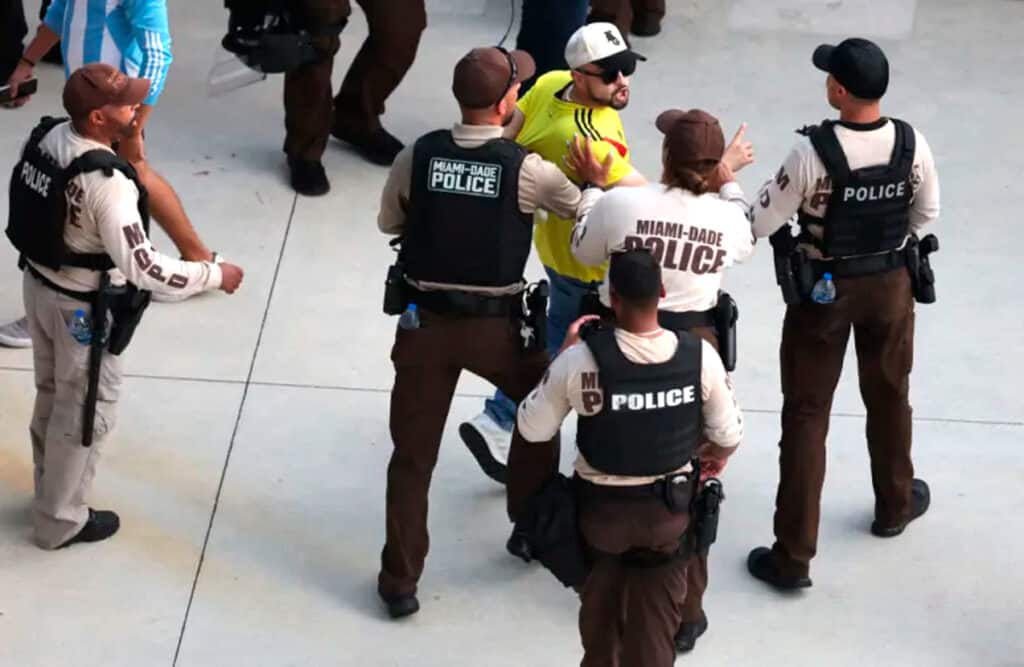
[614, 103]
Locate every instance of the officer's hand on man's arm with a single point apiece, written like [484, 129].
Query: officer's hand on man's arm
[231, 278]
[582, 160]
[739, 153]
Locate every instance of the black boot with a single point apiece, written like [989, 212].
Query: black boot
[688, 633]
[309, 177]
[646, 25]
[762, 566]
[920, 499]
[100, 525]
[378, 146]
[400, 606]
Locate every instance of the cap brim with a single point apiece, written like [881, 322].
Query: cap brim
[822, 57]
[667, 119]
[525, 66]
[135, 92]
[619, 61]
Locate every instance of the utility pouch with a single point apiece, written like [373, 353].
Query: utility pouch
[127, 305]
[706, 512]
[726, 316]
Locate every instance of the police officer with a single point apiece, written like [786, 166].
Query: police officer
[647, 398]
[79, 220]
[695, 225]
[863, 187]
[313, 112]
[463, 202]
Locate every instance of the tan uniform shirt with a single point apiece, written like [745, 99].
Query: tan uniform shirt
[103, 217]
[573, 383]
[542, 185]
[803, 184]
[694, 238]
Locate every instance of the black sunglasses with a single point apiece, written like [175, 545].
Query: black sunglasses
[611, 75]
[513, 73]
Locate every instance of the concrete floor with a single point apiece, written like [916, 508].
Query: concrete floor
[249, 462]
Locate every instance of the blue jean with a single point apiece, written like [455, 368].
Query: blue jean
[563, 310]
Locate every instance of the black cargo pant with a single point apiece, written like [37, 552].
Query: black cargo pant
[622, 12]
[427, 363]
[545, 28]
[880, 310]
[311, 110]
[12, 34]
[629, 615]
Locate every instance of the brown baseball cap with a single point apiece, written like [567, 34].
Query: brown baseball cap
[485, 74]
[691, 135]
[97, 85]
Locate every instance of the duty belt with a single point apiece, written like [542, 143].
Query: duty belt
[686, 321]
[668, 319]
[655, 489]
[87, 297]
[451, 302]
[861, 266]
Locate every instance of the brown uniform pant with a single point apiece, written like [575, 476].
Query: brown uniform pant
[386, 55]
[697, 569]
[880, 310]
[629, 615]
[621, 12]
[428, 362]
[63, 468]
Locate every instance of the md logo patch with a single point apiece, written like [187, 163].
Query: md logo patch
[461, 177]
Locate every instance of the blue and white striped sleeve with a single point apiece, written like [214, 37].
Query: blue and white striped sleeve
[54, 18]
[148, 19]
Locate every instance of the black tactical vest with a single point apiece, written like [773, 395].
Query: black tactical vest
[869, 209]
[464, 225]
[650, 421]
[38, 205]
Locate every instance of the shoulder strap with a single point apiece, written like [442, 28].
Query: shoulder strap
[607, 354]
[826, 145]
[46, 123]
[99, 159]
[903, 148]
[689, 344]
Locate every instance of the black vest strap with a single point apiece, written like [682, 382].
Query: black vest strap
[868, 211]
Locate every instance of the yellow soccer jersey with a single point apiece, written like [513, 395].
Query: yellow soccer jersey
[550, 125]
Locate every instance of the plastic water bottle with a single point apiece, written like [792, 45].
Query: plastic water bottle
[824, 290]
[410, 319]
[80, 327]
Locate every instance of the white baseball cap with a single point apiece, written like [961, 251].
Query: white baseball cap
[596, 41]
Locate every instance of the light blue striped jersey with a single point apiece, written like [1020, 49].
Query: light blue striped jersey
[131, 35]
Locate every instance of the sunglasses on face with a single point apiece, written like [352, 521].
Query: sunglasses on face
[611, 75]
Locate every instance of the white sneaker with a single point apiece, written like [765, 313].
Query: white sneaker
[164, 297]
[15, 334]
[489, 444]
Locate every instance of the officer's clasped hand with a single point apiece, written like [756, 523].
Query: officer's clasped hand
[572, 336]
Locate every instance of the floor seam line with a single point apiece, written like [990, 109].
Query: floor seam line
[234, 434]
